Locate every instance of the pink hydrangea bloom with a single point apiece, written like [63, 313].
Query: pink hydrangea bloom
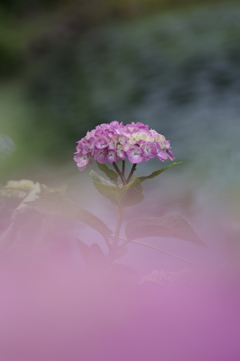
[114, 141]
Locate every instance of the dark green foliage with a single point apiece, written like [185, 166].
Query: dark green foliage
[11, 61]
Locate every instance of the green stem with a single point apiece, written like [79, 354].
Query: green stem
[118, 226]
[114, 245]
[131, 173]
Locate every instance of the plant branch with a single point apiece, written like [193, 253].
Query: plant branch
[119, 173]
[114, 246]
[131, 173]
[118, 226]
[123, 169]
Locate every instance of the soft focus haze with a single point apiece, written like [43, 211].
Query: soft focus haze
[65, 67]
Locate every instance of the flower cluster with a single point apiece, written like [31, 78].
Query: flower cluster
[114, 141]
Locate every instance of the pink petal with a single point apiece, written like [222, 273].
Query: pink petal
[121, 154]
[162, 155]
[135, 155]
[82, 160]
[170, 154]
[149, 150]
[101, 143]
[101, 155]
[112, 156]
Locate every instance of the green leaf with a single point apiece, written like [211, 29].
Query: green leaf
[173, 226]
[126, 196]
[107, 189]
[131, 193]
[53, 202]
[157, 172]
[109, 172]
[17, 189]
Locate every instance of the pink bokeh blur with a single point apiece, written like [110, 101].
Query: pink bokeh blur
[54, 307]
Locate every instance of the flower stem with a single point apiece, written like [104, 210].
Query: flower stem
[118, 226]
[114, 246]
[119, 173]
[131, 173]
[123, 168]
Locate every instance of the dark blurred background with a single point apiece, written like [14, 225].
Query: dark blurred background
[66, 66]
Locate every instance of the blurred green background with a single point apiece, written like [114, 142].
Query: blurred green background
[66, 66]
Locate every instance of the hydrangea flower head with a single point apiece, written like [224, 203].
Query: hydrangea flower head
[114, 142]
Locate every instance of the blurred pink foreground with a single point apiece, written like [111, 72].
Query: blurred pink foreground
[51, 309]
